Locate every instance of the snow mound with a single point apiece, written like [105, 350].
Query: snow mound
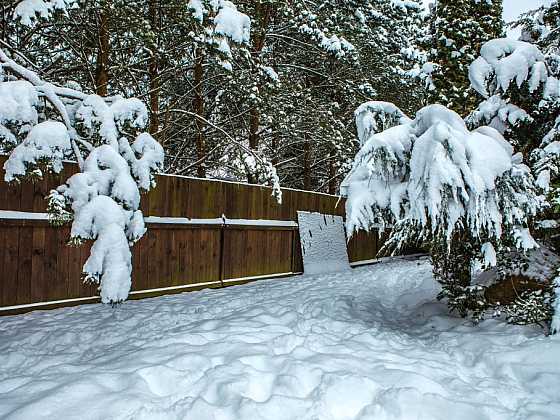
[369, 344]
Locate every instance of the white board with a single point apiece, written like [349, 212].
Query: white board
[323, 243]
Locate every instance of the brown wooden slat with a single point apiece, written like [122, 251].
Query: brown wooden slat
[9, 277]
[24, 266]
[186, 256]
[62, 262]
[39, 283]
[297, 256]
[75, 263]
[56, 287]
[140, 265]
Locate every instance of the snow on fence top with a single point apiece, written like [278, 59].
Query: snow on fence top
[188, 197]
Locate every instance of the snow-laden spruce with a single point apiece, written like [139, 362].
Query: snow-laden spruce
[519, 81]
[435, 173]
[465, 195]
[42, 124]
[522, 100]
[503, 61]
[375, 116]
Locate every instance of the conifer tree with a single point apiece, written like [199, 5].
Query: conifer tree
[463, 195]
[458, 28]
[521, 88]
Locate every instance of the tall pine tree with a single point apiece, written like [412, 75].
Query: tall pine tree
[458, 28]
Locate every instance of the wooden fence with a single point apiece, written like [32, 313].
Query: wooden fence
[38, 269]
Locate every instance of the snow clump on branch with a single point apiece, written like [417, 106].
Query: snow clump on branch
[502, 61]
[29, 10]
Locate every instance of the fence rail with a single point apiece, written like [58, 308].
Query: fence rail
[201, 233]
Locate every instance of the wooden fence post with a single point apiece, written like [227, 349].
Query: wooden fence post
[222, 246]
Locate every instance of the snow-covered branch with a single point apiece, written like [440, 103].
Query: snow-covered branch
[116, 159]
[29, 11]
[503, 61]
[376, 116]
[254, 162]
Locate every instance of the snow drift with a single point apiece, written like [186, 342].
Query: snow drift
[355, 346]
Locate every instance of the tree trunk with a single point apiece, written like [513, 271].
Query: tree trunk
[307, 166]
[274, 147]
[254, 121]
[262, 16]
[199, 110]
[454, 264]
[153, 69]
[332, 172]
[102, 59]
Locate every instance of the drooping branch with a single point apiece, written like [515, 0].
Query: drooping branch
[52, 93]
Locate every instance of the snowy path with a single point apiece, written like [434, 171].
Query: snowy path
[369, 345]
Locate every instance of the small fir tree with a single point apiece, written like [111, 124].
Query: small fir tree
[464, 195]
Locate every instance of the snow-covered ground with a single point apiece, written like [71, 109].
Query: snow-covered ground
[371, 344]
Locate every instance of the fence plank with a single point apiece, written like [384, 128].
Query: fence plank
[39, 285]
[75, 263]
[140, 264]
[62, 263]
[7, 292]
[23, 265]
[56, 289]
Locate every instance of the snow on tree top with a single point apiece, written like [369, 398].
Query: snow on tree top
[228, 22]
[197, 9]
[232, 23]
[375, 116]
[29, 10]
[407, 4]
[505, 60]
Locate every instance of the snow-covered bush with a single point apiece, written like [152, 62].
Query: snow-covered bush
[42, 124]
[463, 194]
